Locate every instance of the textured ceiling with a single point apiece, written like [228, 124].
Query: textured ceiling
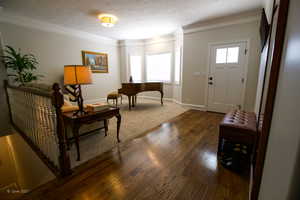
[138, 19]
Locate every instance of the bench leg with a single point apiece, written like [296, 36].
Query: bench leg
[105, 127]
[220, 146]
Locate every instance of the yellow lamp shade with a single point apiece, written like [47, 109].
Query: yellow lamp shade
[77, 75]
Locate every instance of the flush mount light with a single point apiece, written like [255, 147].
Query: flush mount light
[107, 20]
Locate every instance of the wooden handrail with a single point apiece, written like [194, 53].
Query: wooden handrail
[29, 89]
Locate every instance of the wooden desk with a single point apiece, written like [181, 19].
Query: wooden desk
[78, 120]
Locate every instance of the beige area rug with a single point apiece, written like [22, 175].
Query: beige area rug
[146, 115]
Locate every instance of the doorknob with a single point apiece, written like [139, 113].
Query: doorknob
[210, 78]
[210, 83]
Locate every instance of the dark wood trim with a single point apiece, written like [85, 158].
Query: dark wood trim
[64, 159]
[271, 94]
[6, 85]
[267, 62]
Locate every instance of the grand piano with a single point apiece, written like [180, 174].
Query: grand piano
[132, 89]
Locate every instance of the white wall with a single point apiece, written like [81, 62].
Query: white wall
[195, 60]
[30, 170]
[8, 171]
[20, 165]
[281, 177]
[54, 50]
[261, 73]
[268, 6]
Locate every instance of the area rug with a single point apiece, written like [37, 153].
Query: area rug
[146, 115]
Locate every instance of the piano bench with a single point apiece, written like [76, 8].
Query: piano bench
[114, 96]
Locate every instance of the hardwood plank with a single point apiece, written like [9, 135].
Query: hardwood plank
[176, 160]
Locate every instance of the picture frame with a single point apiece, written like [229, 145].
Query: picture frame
[97, 61]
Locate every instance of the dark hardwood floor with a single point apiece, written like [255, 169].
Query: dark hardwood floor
[176, 160]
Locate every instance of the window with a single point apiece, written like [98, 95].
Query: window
[177, 65]
[136, 68]
[227, 55]
[159, 67]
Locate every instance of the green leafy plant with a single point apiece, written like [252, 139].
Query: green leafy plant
[22, 67]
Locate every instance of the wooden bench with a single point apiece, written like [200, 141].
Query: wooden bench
[238, 126]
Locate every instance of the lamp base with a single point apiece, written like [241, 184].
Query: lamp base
[80, 111]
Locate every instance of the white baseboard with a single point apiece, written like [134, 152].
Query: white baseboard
[176, 101]
[155, 98]
[190, 106]
[195, 107]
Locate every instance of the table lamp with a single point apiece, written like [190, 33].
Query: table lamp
[78, 75]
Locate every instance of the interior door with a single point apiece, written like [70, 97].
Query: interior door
[227, 76]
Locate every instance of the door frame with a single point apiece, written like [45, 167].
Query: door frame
[280, 32]
[210, 45]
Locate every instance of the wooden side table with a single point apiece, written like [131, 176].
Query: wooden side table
[76, 121]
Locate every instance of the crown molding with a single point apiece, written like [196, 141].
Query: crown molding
[158, 41]
[48, 27]
[145, 42]
[127, 43]
[223, 24]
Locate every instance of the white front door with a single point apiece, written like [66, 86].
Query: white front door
[227, 77]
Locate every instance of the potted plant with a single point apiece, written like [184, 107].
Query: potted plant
[19, 66]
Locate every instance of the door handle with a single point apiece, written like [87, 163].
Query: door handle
[210, 83]
[210, 78]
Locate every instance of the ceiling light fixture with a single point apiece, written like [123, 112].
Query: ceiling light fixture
[107, 20]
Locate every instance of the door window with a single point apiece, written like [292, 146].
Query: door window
[227, 55]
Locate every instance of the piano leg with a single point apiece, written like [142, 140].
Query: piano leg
[129, 102]
[135, 98]
[161, 97]
[133, 101]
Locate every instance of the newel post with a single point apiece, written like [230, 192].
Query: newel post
[64, 159]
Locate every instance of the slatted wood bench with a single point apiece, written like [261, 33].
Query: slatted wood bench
[238, 126]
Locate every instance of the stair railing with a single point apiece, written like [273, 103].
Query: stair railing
[36, 115]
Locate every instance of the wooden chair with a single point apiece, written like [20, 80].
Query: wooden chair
[114, 96]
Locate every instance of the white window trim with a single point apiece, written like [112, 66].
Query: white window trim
[142, 66]
[177, 83]
[171, 82]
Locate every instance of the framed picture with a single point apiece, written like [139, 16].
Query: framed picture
[97, 61]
